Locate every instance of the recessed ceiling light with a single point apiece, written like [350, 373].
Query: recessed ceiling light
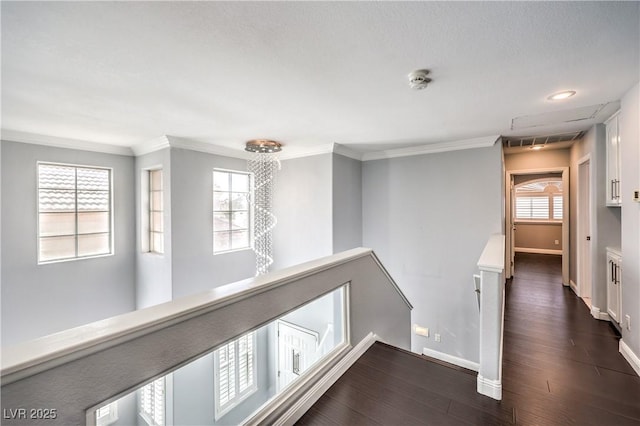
[562, 95]
[536, 147]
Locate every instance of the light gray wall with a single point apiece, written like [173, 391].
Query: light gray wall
[303, 206]
[195, 267]
[347, 203]
[41, 299]
[630, 181]
[428, 218]
[153, 271]
[605, 220]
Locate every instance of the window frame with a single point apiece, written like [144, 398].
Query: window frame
[75, 212]
[222, 409]
[111, 417]
[250, 209]
[150, 246]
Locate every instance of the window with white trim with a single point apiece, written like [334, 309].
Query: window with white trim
[74, 212]
[156, 220]
[152, 402]
[107, 414]
[235, 373]
[539, 200]
[231, 212]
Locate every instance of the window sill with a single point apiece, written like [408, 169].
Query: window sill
[73, 259]
[537, 222]
[232, 251]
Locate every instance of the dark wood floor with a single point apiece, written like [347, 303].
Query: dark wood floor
[561, 367]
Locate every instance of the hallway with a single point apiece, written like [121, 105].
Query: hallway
[560, 367]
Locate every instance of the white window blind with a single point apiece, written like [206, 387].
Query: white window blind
[532, 207]
[557, 207]
[231, 213]
[152, 402]
[74, 212]
[156, 221]
[235, 373]
[107, 414]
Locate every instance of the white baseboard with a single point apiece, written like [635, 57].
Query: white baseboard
[536, 250]
[574, 287]
[460, 362]
[599, 315]
[490, 388]
[631, 358]
[310, 397]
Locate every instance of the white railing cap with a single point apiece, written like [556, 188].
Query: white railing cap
[492, 257]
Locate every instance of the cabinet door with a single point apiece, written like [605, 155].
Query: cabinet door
[613, 162]
[613, 294]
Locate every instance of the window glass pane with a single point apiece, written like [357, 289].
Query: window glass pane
[220, 181]
[239, 201]
[157, 242]
[239, 182]
[156, 224]
[53, 248]
[221, 201]
[156, 200]
[93, 244]
[155, 180]
[93, 222]
[56, 177]
[57, 200]
[52, 224]
[93, 200]
[93, 179]
[239, 239]
[221, 221]
[240, 220]
[221, 241]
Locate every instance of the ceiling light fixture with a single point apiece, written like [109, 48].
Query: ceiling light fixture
[565, 94]
[418, 79]
[536, 147]
[263, 145]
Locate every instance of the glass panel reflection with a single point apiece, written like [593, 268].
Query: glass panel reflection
[232, 383]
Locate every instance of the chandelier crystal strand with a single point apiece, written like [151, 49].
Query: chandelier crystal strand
[263, 166]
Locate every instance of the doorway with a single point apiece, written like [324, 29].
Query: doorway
[584, 254]
[513, 177]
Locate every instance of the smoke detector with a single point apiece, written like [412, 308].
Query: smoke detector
[418, 79]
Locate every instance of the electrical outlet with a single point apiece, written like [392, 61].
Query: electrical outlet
[557, 242]
[421, 331]
[628, 320]
[437, 336]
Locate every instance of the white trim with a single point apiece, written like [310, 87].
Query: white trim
[490, 388]
[460, 362]
[151, 145]
[536, 250]
[574, 287]
[37, 139]
[347, 152]
[492, 257]
[631, 358]
[598, 314]
[306, 400]
[481, 142]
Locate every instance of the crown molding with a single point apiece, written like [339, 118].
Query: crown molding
[347, 152]
[208, 148]
[53, 141]
[482, 142]
[151, 145]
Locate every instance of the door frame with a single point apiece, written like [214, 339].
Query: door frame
[565, 216]
[581, 226]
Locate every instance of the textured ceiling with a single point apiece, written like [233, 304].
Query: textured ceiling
[309, 74]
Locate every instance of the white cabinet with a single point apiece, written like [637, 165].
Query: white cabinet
[613, 161]
[614, 284]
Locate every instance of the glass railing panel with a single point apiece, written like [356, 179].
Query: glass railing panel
[232, 382]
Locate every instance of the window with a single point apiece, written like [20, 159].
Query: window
[235, 373]
[107, 414]
[152, 402]
[74, 212]
[156, 222]
[539, 200]
[231, 213]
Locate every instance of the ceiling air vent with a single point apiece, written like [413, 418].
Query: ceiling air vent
[531, 141]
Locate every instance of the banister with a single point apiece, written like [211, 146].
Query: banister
[78, 368]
